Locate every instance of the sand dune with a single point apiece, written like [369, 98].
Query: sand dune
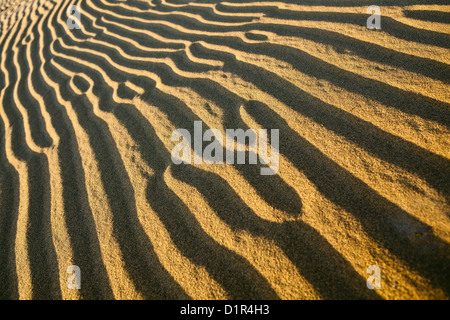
[86, 176]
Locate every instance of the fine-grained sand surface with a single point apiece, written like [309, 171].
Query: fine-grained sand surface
[86, 176]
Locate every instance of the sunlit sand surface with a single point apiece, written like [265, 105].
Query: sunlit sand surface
[86, 176]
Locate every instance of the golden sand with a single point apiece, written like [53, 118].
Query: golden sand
[86, 176]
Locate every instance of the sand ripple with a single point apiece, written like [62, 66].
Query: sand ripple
[86, 178]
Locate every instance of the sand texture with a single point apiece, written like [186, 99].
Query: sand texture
[87, 179]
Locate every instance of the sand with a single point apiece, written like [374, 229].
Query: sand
[86, 176]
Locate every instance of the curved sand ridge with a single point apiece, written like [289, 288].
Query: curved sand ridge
[86, 177]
